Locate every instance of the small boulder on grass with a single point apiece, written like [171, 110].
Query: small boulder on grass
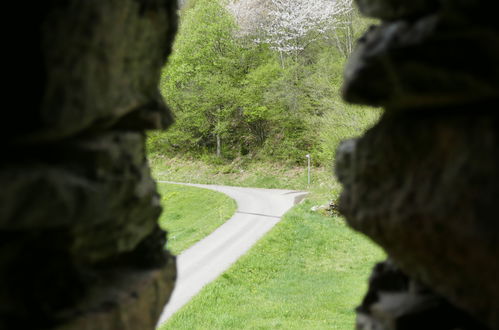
[328, 209]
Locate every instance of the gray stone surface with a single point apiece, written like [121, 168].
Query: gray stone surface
[80, 247]
[425, 187]
[136, 300]
[396, 9]
[100, 63]
[424, 181]
[429, 62]
[393, 10]
[395, 301]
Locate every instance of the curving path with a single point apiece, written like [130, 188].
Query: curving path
[258, 211]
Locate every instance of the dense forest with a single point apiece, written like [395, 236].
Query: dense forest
[261, 79]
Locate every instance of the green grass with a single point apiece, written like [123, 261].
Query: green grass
[241, 173]
[191, 213]
[309, 272]
[324, 187]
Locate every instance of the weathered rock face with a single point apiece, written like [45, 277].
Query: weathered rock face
[396, 9]
[424, 182]
[395, 301]
[80, 247]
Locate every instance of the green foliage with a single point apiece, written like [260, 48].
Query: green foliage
[191, 213]
[354, 120]
[199, 82]
[256, 103]
[309, 272]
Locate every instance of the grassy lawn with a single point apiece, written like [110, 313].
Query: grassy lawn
[191, 213]
[309, 272]
[240, 173]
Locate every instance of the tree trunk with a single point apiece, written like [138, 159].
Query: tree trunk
[219, 146]
[339, 45]
[281, 56]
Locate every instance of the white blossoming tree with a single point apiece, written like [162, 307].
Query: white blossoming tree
[288, 26]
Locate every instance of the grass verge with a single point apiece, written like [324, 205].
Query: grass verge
[309, 272]
[241, 173]
[191, 213]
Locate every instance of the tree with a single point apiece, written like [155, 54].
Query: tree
[200, 79]
[233, 96]
[288, 26]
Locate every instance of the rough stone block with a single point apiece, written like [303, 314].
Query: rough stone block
[425, 186]
[430, 62]
[397, 302]
[101, 61]
[396, 9]
[130, 302]
[80, 247]
[481, 11]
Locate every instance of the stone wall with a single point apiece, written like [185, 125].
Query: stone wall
[79, 244]
[424, 182]
[80, 247]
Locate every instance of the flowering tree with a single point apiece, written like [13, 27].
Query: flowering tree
[288, 26]
[250, 15]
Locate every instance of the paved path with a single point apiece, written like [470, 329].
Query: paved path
[258, 211]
